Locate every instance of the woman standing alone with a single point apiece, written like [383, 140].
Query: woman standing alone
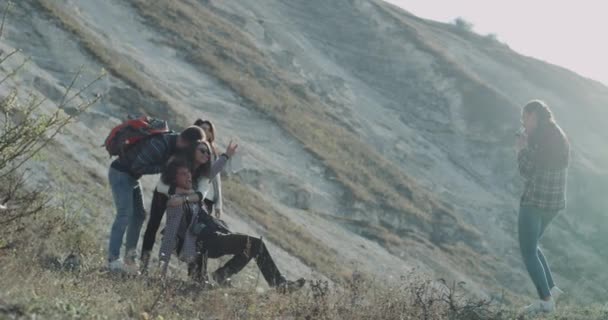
[543, 154]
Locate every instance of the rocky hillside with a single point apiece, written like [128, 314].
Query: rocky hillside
[372, 140]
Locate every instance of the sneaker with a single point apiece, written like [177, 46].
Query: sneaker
[116, 266]
[540, 306]
[288, 286]
[556, 293]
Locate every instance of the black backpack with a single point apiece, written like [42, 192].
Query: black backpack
[207, 225]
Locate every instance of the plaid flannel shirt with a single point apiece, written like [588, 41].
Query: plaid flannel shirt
[175, 227]
[545, 188]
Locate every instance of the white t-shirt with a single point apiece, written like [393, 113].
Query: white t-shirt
[210, 192]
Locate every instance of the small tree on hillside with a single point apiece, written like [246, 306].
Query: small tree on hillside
[24, 130]
[463, 25]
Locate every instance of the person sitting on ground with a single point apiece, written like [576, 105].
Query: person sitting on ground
[215, 244]
[204, 169]
[146, 157]
[180, 215]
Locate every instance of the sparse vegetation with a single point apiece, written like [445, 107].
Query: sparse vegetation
[492, 37]
[117, 65]
[26, 128]
[285, 233]
[35, 237]
[40, 286]
[463, 24]
[485, 107]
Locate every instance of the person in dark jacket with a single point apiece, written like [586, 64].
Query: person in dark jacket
[543, 154]
[146, 157]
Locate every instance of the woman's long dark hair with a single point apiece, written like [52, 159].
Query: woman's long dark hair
[190, 154]
[199, 123]
[548, 139]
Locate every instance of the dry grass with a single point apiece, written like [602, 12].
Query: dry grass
[284, 232]
[37, 289]
[486, 108]
[117, 65]
[35, 285]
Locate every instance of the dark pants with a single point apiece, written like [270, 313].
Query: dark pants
[209, 205]
[157, 211]
[532, 224]
[198, 269]
[244, 248]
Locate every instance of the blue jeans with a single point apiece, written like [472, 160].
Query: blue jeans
[532, 224]
[130, 213]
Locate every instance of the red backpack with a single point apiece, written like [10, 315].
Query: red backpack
[132, 131]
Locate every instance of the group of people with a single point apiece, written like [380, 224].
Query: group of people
[190, 193]
[190, 188]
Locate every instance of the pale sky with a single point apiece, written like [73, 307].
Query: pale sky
[572, 34]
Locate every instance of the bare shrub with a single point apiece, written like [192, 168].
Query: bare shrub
[463, 25]
[25, 129]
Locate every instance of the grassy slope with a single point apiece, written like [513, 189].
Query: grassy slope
[218, 47]
[36, 289]
[117, 65]
[281, 231]
[485, 107]
[33, 288]
[582, 259]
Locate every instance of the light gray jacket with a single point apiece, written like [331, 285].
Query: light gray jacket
[216, 187]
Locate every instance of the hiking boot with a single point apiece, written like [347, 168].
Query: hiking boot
[288, 286]
[221, 280]
[556, 293]
[539, 306]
